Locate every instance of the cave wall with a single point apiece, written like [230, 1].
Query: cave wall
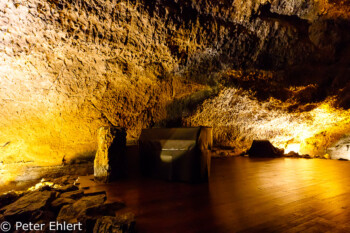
[69, 67]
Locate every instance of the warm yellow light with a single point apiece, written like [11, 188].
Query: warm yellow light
[293, 147]
[42, 184]
[237, 115]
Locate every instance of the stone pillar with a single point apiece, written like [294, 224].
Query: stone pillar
[205, 142]
[110, 155]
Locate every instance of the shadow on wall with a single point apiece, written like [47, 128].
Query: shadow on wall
[183, 107]
[85, 157]
[301, 87]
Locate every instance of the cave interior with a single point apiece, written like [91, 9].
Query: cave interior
[81, 82]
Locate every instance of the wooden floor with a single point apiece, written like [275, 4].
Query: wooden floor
[243, 195]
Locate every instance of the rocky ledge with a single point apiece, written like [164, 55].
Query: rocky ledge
[59, 205]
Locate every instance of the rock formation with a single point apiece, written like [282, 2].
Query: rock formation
[69, 67]
[59, 201]
[264, 149]
[110, 156]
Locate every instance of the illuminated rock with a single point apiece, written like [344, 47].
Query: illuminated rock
[67, 188]
[292, 154]
[28, 204]
[110, 156]
[68, 68]
[41, 206]
[62, 181]
[341, 149]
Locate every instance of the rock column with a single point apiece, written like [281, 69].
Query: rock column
[110, 156]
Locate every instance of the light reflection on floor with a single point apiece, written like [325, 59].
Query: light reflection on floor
[243, 194]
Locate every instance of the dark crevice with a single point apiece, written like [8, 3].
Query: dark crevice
[301, 25]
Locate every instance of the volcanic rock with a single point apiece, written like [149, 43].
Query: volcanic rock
[60, 202]
[63, 180]
[9, 197]
[38, 205]
[125, 62]
[264, 149]
[43, 216]
[292, 154]
[121, 224]
[110, 153]
[28, 204]
[73, 194]
[73, 212]
[67, 188]
[340, 149]
[94, 193]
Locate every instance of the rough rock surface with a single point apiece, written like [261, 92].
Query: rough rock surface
[73, 212]
[70, 67]
[9, 197]
[238, 118]
[340, 149]
[22, 172]
[28, 204]
[73, 194]
[46, 202]
[264, 149]
[121, 224]
[110, 154]
[60, 202]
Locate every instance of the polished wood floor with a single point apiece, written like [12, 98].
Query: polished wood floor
[243, 195]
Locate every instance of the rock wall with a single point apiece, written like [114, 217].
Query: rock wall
[69, 67]
[238, 118]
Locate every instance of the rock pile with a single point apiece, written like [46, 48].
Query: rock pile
[58, 204]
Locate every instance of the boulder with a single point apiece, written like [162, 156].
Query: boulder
[264, 149]
[64, 180]
[28, 204]
[60, 202]
[110, 154]
[120, 224]
[42, 206]
[94, 193]
[66, 188]
[292, 154]
[9, 197]
[71, 213]
[73, 194]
